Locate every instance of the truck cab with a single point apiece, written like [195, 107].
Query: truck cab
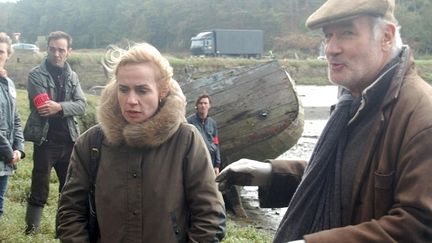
[202, 44]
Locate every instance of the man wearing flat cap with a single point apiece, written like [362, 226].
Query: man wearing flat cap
[369, 178]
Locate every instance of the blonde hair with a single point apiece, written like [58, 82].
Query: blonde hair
[4, 38]
[116, 57]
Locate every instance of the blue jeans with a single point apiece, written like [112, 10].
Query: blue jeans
[3, 188]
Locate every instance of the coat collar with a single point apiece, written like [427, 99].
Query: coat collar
[43, 67]
[397, 68]
[406, 63]
[150, 133]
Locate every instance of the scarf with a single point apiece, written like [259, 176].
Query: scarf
[316, 205]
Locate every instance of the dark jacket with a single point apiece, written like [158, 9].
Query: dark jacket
[155, 181]
[391, 193]
[11, 136]
[209, 131]
[40, 81]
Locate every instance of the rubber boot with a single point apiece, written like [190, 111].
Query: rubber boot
[33, 218]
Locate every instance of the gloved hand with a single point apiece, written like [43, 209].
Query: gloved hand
[244, 172]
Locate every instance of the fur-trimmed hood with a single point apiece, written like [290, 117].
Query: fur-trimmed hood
[150, 133]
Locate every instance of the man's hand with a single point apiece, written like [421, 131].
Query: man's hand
[16, 157]
[49, 108]
[244, 172]
[216, 171]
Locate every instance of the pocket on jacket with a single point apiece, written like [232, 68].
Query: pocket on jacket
[177, 230]
[33, 132]
[383, 192]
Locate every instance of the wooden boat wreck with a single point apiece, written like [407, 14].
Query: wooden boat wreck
[256, 107]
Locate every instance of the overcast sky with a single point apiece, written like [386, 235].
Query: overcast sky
[3, 1]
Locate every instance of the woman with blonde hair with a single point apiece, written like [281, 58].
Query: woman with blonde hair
[155, 181]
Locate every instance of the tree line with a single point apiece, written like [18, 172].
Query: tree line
[169, 24]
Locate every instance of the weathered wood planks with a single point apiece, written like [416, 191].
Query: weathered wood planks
[256, 107]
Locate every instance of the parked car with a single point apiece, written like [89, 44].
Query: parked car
[25, 47]
[321, 57]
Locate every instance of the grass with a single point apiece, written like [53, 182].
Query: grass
[12, 223]
[245, 234]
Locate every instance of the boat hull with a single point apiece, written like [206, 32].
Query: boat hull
[257, 109]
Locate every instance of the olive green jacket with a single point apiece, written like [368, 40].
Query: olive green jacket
[155, 181]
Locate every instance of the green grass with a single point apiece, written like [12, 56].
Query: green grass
[245, 234]
[12, 224]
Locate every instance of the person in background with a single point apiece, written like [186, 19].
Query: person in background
[55, 98]
[209, 132]
[11, 136]
[208, 129]
[369, 177]
[155, 182]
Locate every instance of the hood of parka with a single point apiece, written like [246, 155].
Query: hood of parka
[151, 133]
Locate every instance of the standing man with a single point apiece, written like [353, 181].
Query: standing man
[55, 97]
[208, 128]
[11, 136]
[369, 178]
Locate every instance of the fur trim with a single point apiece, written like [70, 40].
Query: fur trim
[150, 133]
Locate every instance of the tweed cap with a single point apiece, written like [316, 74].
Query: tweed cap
[334, 11]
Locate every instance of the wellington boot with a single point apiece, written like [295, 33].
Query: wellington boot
[33, 218]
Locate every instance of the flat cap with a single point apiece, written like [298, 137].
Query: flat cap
[334, 11]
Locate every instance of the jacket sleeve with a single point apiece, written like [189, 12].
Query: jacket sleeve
[18, 142]
[217, 157]
[409, 217]
[76, 106]
[6, 151]
[286, 176]
[6, 148]
[217, 162]
[204, 199]
[36, 85]
[72, 212]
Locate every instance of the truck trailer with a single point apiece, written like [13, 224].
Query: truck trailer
[228, 42]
